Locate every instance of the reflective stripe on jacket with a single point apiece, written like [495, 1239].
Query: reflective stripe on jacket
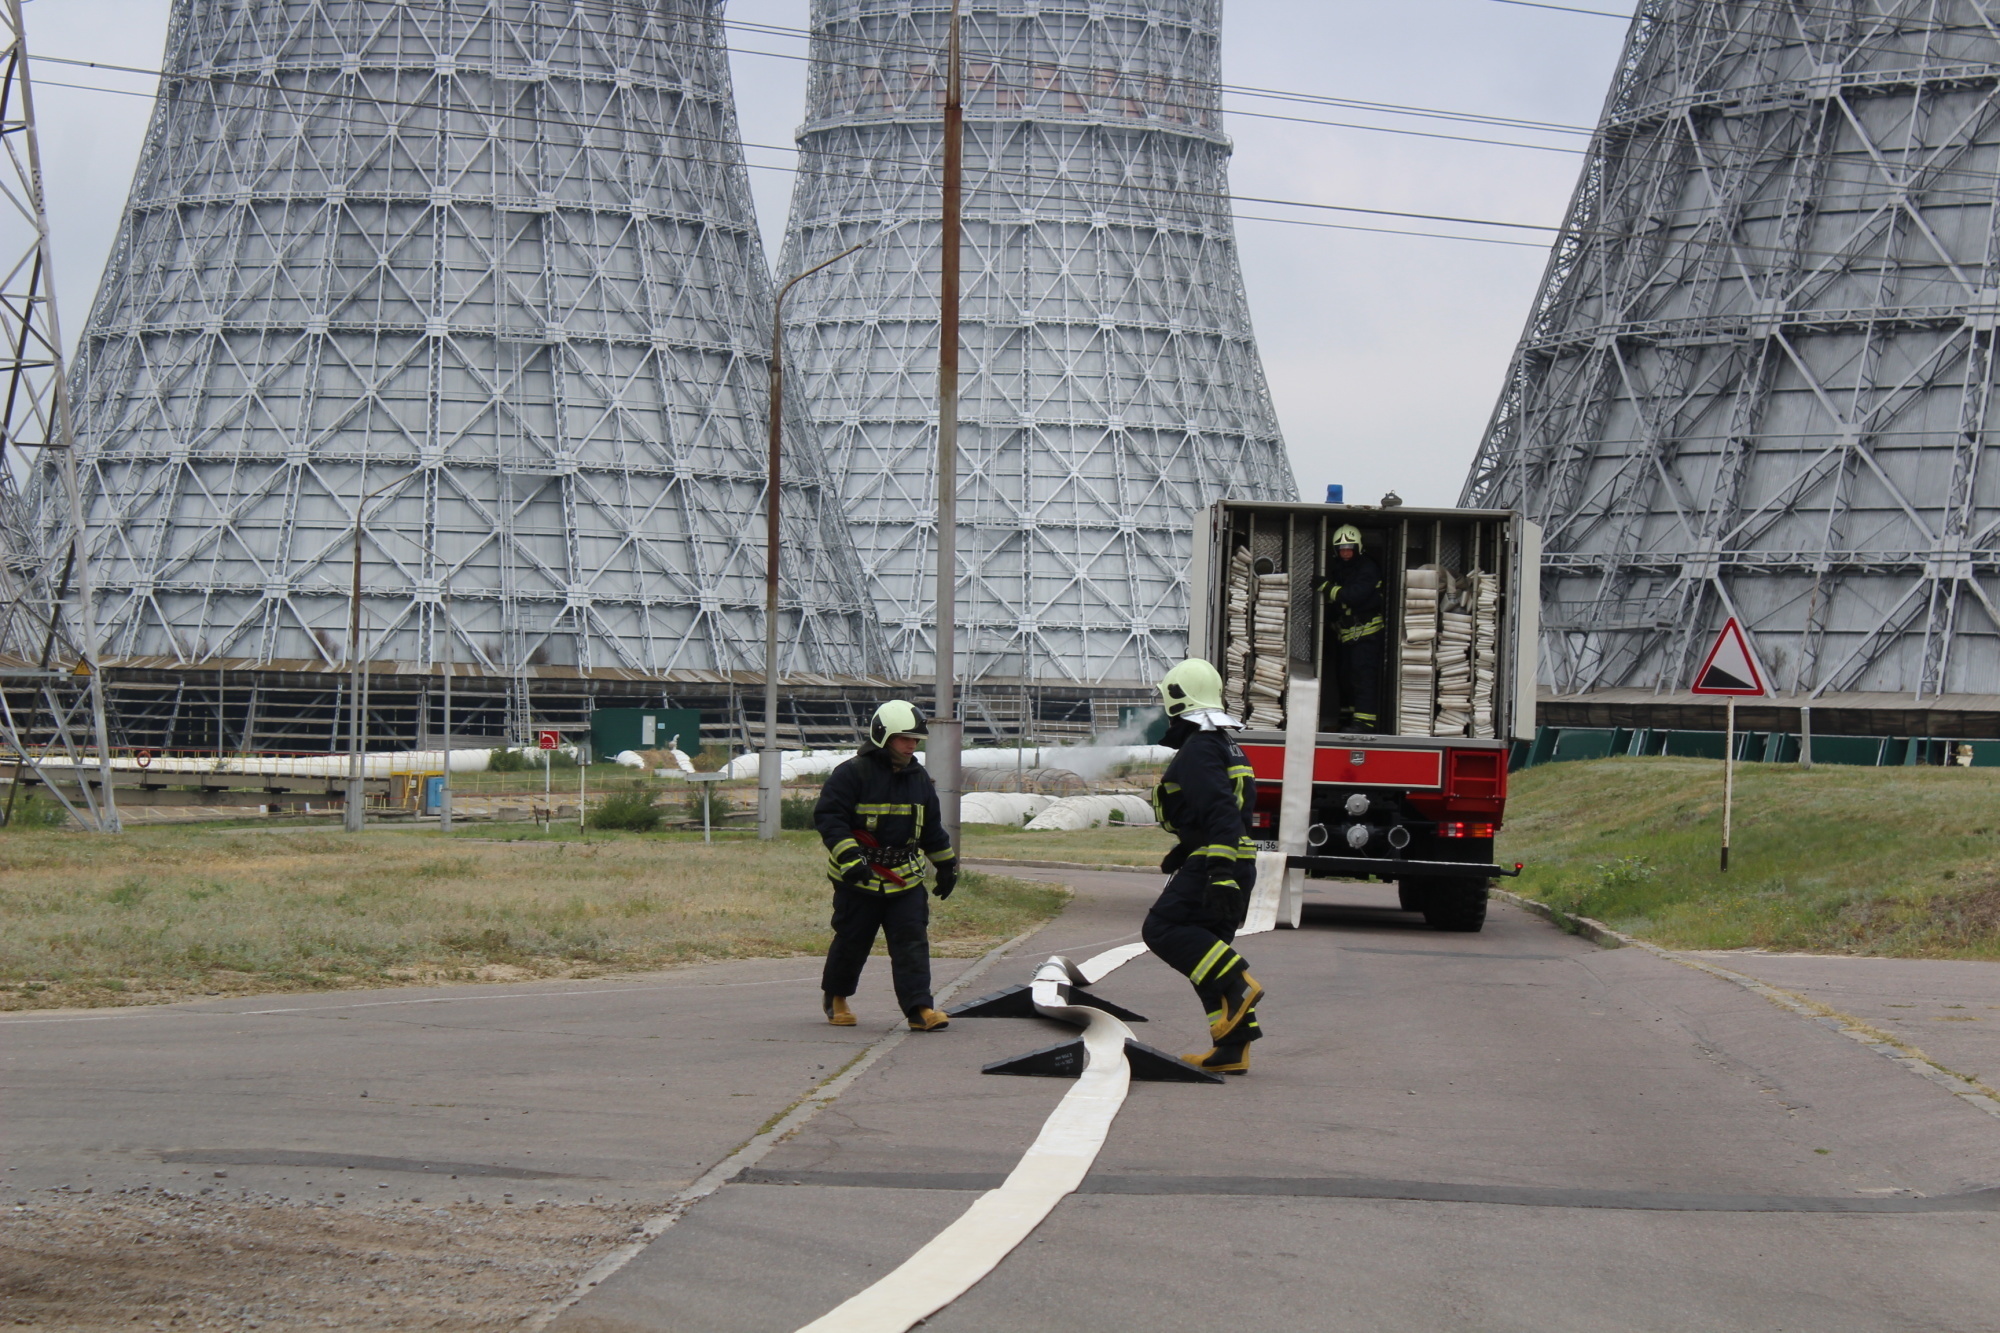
[1205, 797]
[1355, 589]
[871, 813]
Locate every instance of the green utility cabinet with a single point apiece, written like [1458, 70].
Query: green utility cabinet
[614, 730]
[1150, 720]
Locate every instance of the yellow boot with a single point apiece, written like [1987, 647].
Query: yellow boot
[1235, 1010]
[837, 1012]
[928, 1020]
[1223, 1060]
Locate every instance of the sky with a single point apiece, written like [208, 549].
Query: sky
[1384, 353]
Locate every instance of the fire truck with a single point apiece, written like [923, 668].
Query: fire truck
[1415, 796]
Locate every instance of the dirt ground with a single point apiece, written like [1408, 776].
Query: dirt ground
[212, 1259]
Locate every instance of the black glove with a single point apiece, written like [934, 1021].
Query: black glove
[1175, 859]
[1223, 895]
[858, 876]
[947, 880]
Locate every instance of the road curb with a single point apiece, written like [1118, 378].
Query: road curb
[1058, 865]
[1595, 931]
[1962, 1086]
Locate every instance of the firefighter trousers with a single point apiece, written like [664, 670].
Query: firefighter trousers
[903, 919]
[1361, 684]
[1193, 935]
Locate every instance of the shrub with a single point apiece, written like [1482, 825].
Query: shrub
[503, 760]
[797, 812]
[35, 811]
[718, 803]
[632, 810]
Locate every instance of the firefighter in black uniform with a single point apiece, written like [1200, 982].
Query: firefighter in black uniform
[878, 816]
[1205, 798]
[1354, 586]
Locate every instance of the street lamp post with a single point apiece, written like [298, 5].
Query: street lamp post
[444, 787]
[945, 727]
[355, 817]
[770, 765]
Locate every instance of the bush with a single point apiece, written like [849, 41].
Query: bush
[796, 812]
[718, 802]
[632, 810]
[503, 760]
[35, 811]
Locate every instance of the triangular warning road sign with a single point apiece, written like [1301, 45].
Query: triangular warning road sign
[1730, 668]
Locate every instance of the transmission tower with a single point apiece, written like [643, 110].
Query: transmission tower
[51, 706]
[1758, 378]
[1111, 387]
[496, 259]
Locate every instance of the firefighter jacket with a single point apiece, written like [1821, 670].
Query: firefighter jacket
[871, 813]
[1204, 798]
[1355, 589]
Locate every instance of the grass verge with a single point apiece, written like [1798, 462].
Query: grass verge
[161, 914]
[1143, 845]
[1894, 861]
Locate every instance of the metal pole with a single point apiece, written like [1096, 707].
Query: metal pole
[444, 788]
[944, 748]
[106, 808]
[582, 783]
[770, 764]
[1805, 735]
[1728, 776]
[355, 817]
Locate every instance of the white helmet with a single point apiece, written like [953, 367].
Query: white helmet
[898, 717]
[1192, 687]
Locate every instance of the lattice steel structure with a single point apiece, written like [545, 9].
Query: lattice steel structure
[1758, 379]
[497, 256]
[1110, 385]
[52, 728]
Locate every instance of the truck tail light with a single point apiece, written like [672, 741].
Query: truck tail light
[1461, 829]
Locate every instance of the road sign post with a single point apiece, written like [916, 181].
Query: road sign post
[547, 741]
[1730, 669]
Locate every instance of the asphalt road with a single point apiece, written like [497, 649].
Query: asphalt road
[1514, 1129]
[624, 1089]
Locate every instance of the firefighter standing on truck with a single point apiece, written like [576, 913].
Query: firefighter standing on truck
[1353, 584]
[1205, 798]
[878, 816]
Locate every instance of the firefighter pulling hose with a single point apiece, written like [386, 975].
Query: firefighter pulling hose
[878, 816]
[1205, 798]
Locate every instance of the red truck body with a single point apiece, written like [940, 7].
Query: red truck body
[1420, 801]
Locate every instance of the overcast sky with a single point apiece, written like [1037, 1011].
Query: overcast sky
[1384, 352]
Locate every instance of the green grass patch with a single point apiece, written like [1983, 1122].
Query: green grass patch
[1895, 861]
[1143, 845]
[158, 914]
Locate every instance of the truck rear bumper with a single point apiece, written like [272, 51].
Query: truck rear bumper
[1348, 867]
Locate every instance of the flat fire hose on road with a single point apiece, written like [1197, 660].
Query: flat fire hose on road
[957, 1258]
[1061, 1156]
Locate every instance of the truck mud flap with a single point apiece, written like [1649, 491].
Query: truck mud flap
[1351, 867]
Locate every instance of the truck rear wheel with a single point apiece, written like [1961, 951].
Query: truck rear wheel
[1413, 895]
[1458, 905]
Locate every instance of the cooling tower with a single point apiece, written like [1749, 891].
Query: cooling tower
[492, 262]
[1758, 379]
[1110, 385]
